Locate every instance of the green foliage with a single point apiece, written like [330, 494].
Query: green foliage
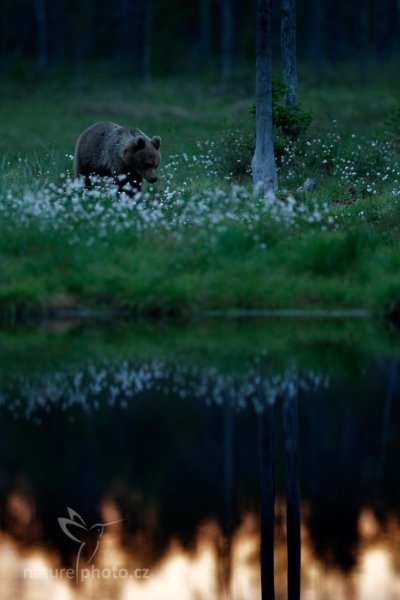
[237, 149]
[327, 255]
[290, 123]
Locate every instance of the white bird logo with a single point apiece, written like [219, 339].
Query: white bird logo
[76, 529]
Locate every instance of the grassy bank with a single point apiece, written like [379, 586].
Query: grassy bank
[71, 366]
[330, 346]
[200, 239]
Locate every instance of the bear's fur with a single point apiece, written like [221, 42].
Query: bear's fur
[125, 153]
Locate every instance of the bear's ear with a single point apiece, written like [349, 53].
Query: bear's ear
[156, 141]
[139, 143]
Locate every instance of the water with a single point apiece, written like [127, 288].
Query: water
[200, 463]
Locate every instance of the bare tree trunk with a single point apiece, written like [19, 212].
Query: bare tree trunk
[392, 378]
[263, 163]
[148, 39]
[87, 19]
[131, 42]
[384, 27]
[288, 47]
[316, 33]
[205, 27]
[291, 441]
[227, 533]
[398, 15]
[266, 445]
[226, 39]
[362, 40]
[42, 57]
[5, 29]
[84, 43]
[122, 45]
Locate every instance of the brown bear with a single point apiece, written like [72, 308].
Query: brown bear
[124, 153]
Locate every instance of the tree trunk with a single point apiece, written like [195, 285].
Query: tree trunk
[384, 24]
[205, 27]
[5, 29]
[63, 32]
[148, 39]
[228, 517]
[398, 15]
[226, 39]
[392, 378]
[263, 163]
[288, 47]
[84, 43]
[316, 34]
[134, 25]
[362, 38]
[124, 32]
[88, 33]
[266, 445]
[42, 57]
[291, 441]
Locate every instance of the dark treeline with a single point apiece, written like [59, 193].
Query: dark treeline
[169, 36]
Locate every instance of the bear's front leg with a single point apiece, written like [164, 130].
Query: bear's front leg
[129, 184]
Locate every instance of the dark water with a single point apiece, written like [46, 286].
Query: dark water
[232, 462]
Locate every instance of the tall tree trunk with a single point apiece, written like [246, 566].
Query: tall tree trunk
[263, 163]
[122, 42]
[205, 27]
[226, 39]
[266, 446]
[84, 39]
[384, 27]
[398, 15]
[392, 378]
[42, 57]
[5, 29]
[131, 42]
[288, 47]
[336, 34]
[87, 9]
[228, 516]
[316, 33]
[148, 39]
[64, 33]
[291, 442]
[361, 25]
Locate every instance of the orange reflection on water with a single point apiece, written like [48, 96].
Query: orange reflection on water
[378, 573]
[178, 575]
[216, 568]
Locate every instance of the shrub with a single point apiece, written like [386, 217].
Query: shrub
[290, 122]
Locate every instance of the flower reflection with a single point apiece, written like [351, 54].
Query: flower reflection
[116, 383]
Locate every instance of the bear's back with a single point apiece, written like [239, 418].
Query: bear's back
[97, 149]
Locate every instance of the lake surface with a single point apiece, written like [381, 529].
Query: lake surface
[226, 461]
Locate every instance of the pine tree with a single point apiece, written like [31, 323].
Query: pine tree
[263, 163]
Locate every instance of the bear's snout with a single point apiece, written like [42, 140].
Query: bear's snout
[152, 179]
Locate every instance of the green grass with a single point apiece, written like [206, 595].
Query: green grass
[251, 260]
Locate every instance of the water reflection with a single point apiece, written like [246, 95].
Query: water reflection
[203, 460]
[116, 383]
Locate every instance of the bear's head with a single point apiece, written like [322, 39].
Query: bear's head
[142, 156]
